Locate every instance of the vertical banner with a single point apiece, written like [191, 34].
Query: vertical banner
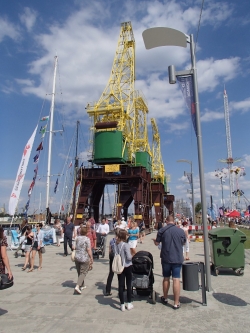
[21, 174]
[186, 84]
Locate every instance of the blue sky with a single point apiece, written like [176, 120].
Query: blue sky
[84, 36]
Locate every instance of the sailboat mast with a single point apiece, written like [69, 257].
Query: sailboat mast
[51, 131]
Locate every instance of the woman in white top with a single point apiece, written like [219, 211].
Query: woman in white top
[37, 247]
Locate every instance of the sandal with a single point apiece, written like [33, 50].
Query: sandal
[23, 268]
[176, 307]
[30, 270]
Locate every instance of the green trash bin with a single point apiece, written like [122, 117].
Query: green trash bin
[227, 249]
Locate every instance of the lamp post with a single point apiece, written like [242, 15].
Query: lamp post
[155, 37]
[192, 186]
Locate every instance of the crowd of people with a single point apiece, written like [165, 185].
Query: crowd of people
[172, 239]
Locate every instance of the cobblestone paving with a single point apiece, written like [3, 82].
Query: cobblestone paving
[44, 301]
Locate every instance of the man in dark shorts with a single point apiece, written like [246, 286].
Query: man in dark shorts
[68, 230]
[172, 240]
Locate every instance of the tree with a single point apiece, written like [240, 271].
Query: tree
[198, 207]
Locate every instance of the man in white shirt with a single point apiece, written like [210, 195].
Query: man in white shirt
[103, 228]
[123, 224]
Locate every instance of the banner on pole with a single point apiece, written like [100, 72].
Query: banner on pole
[186, 84]
[14, 197]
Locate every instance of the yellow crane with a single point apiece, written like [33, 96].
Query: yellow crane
[114, 114]
[158, 170]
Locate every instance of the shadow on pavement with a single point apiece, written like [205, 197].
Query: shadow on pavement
[3, 312]
[69, 284]
[229, 299]
[108, 301]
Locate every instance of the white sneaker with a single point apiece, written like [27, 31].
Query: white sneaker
[122, 307]
[78, 290]
[130, 306]
[84, 287]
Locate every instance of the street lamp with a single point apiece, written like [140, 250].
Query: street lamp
[160, 36]
[192, 186]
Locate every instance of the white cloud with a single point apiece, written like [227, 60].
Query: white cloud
[212, 72]
[86, 52]
[8, 29]
[209, 115]
[243, 106]
[246, 160]
[28, 18]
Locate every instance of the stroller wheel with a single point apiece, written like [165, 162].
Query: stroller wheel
[153, 297]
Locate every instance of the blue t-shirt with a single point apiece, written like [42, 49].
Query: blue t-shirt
[133, 232]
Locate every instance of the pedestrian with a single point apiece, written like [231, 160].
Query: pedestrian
[159, 225]
[37, 247]
[122, 248]
[186, 245]
[118, 225]
[58, 230]
[91, 234]
[4, 260]
[79, 228]
[68, 230]
[83, 258]
[103, 228]
[133, 234]
[29, 237]
[172, 239]
[111, 257]
[142, 228]
[214, 225]
[124, 223]
[21, 236]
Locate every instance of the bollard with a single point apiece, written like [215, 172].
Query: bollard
[190, 278]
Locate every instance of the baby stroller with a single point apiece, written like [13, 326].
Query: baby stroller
[100, 246]
[142, 275]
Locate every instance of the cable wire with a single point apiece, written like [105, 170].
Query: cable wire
[199, 24]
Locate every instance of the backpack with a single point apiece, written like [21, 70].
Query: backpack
[117, 265]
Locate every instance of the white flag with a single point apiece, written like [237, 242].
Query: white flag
[21, 174]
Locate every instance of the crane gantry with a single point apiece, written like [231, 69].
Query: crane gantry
[120, 145]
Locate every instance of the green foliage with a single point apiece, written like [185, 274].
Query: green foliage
[198, 207]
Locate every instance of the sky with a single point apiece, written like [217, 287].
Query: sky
[84, 34]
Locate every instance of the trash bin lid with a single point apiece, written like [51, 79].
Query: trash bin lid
[226, 233]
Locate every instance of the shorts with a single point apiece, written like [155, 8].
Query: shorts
[169, 269]
[27, 248]
[132, 244]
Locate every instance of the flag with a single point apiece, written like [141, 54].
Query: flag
[70, 164]
[56, 186]
[36, 170]
[189, 177]
[81, 166]
[36, 158]
[27, 205]
[44, 118]
[78, 183]
[21, 174]
[62, 208]
[43, 129]
[40, 147]
[186, 84]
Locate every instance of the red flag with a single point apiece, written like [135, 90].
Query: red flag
[40, 147]
[62, 208]
[70, 165]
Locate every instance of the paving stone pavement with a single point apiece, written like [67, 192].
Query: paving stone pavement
[44, 301]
